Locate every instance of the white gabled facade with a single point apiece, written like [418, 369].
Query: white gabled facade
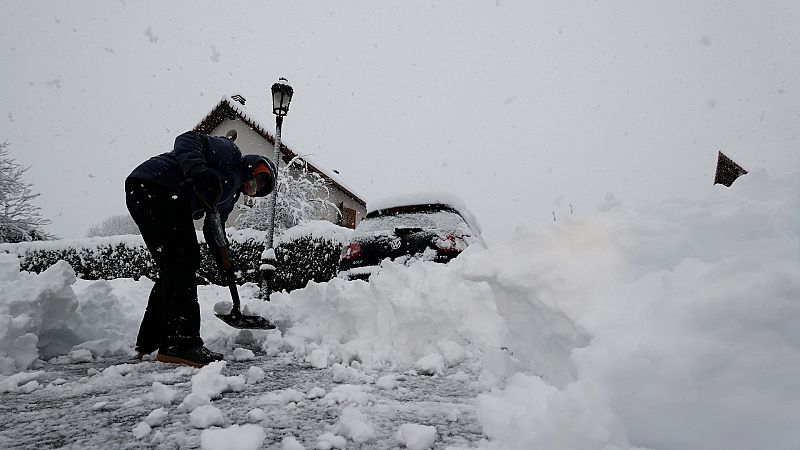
[253, 138]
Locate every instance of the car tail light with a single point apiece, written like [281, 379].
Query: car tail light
[448, 244]
[352, 251]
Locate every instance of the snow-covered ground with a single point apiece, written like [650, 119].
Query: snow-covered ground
[663, 326]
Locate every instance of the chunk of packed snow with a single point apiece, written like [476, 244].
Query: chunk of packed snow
[243, 354]
[416, 437]
[327, 441]
[163, 394]
[432, 364]
[285, 396]
[347, 374]
[156, 417]
[354, 425]
[209, 381]
[256, 415]
[29, 387]
[316, 392]
[347, 393]
[319, 357]
[244, 437]
[99, 405]
[291, 443]
[13, 382]
[254, 375]
[141, 430]
[194, 400]
[158, 437]
[387, 382]
[206, 416]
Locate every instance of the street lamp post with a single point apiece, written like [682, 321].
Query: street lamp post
[281, 97]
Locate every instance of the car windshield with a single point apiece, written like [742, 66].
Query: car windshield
[443, 220]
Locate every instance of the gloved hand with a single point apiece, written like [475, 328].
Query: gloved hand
[208, 188]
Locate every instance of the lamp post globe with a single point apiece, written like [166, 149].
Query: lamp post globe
[281, 97]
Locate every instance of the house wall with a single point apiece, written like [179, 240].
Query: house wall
[250, 142]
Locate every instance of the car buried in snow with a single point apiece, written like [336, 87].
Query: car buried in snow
[432, 226]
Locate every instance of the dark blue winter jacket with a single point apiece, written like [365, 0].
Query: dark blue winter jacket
[194, 152]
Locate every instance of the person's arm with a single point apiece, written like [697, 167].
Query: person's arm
[216, 239]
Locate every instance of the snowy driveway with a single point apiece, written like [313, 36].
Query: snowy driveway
[88, 405]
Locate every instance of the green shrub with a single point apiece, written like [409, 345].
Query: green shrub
[305, 259]
[304, 253]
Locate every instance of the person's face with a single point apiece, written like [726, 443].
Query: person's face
[250, 187]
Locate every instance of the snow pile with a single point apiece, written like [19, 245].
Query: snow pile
[402, 315]
[670, 327]
[41, 316]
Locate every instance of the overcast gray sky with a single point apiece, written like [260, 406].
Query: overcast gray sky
[520, 107]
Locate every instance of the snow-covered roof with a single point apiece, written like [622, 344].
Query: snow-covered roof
[227, 103]
[426, 198]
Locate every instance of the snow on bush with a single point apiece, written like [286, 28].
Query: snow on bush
[244, 437]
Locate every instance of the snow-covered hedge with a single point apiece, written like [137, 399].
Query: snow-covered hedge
[307, 252]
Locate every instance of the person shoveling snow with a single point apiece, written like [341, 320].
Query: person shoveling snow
[203, 175]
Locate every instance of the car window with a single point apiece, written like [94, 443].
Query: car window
[447, 221]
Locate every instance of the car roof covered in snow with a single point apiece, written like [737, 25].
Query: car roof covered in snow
[426, 198]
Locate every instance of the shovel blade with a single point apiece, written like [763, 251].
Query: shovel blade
[246, 322]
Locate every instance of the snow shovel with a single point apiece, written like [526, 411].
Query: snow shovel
[235, 318]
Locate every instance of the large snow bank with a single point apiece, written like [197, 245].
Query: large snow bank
[41, 316]
[674, 326]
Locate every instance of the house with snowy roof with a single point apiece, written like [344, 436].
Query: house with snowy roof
[252, 137]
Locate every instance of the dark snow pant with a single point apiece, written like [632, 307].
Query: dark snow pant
[172, 317]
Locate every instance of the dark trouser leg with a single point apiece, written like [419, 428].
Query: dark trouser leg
[151, 330]
[172, 318]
